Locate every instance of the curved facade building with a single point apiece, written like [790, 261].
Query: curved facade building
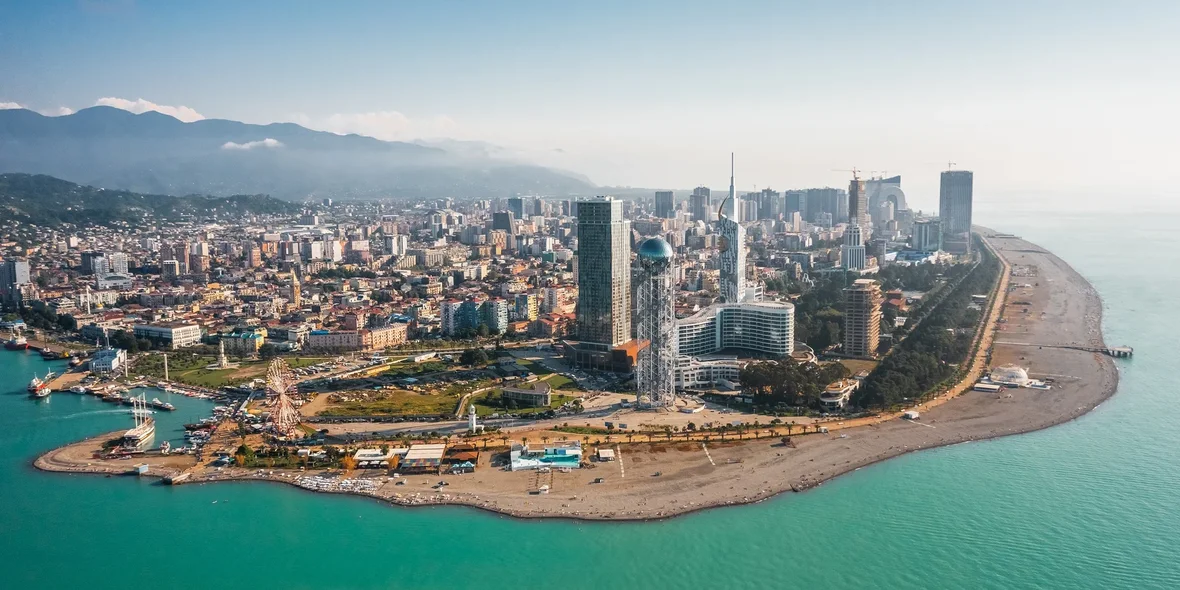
[759, 327]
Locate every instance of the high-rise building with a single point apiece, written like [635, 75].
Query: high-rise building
[494, 314]
[927, 236]
[14, 274]
[732, 247]
[117, 263]
[852, 253]
[954, 210]
[665, 204]
[505, 220]
[170, 269]
[397, 245]
[520, 207]
[92, 260]
[526, 306]
[699, 204]
[795, 202]
[604, 274]
[858, 204]
[862, 318]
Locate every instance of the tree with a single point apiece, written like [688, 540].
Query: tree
[474, 357]
[268, 351]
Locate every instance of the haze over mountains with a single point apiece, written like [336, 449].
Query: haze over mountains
[155, 153]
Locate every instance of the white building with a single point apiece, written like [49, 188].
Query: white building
[449, 310]
[107, 361]
[176, 335]
[766, 327]
[700, 373]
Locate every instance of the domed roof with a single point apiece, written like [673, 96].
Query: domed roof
[655, 249]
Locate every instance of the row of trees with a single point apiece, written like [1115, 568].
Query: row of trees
[930, 354]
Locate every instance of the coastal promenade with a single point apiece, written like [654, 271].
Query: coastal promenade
[1039, 309]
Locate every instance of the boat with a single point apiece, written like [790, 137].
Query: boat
[145, 425]
[113, 397]
[156, 403]
[39, 387]
[77, 389]
[17, 343]
[75, 361]
[50, 355]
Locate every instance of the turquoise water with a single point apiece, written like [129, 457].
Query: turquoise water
[1090, 504]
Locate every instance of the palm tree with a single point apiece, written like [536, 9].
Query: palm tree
[586, 440]
[630, 437]
[545, 440]
[790, 425]
[504, 439]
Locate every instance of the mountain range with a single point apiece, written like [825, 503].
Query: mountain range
[155, 153]
[45, 201]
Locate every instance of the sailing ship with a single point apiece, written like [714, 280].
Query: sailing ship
[145, 425]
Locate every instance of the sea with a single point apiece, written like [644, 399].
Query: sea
[1094, 503]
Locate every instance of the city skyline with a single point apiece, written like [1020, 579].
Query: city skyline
[1046, 101]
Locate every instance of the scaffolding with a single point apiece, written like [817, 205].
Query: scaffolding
[656, 326]
[280, 384]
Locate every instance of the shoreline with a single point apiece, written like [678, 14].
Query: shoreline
[1089, 379]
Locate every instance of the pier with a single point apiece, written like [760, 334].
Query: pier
[1121, 352]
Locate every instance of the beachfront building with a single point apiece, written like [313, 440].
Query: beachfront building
[836, 395]
[567, 454]
[764, 328]
[708, 372]
[174, 335]
[422, 459]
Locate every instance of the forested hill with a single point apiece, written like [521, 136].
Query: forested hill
[51, 202]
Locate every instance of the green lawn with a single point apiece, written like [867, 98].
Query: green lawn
[396, 404]
[536, 368]
[561, 382]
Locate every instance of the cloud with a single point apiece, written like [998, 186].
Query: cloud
[386, 125]
[249, 145]
[59, 112]
[186, 114]
[10, 105]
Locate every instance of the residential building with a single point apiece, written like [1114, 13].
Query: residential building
[665, 204]
[604, 274]
[862, 318]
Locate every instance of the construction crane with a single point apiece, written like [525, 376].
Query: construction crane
[854, 170]
[950, 165]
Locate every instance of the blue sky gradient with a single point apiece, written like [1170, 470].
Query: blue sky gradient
[1035, 96]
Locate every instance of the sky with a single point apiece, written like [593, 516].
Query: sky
[1075, 99]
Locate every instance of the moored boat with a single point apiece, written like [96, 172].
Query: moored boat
[17, 343]
[40, 387]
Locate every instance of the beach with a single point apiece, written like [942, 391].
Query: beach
[658, 480]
